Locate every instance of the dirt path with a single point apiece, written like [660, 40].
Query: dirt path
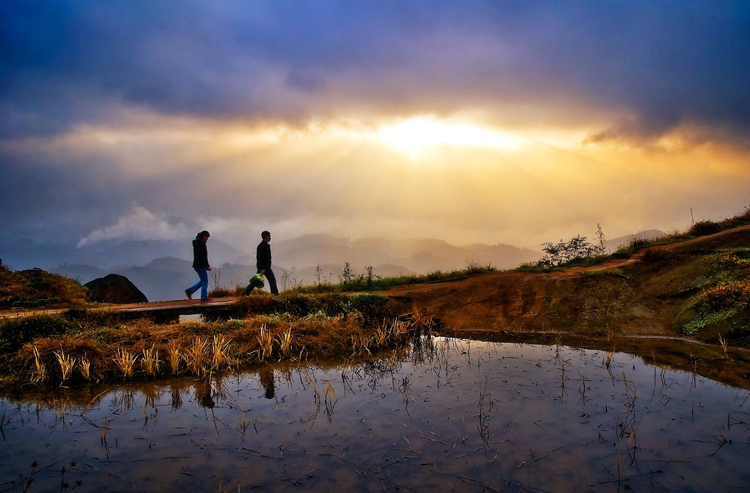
[181, 307]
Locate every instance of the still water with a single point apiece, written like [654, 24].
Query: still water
[453, 415]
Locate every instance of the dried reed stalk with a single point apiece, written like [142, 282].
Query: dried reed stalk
[125, 362]
[285, 343]
[151, 361]
[195, 354]
[174, 356]
[40, 370]
[219, 352]
[85, 366]
[265, 340]
[66, 364]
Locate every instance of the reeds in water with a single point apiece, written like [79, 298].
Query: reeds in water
[66, 364]
[724, 346]
[125, 362]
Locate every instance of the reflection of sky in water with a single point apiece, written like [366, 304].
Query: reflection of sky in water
[467, 416]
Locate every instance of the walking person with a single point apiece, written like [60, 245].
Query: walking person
[263, 263]
[201, 266]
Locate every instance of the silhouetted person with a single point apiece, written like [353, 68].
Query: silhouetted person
[263, 263]
[265, 375]
[201, 266]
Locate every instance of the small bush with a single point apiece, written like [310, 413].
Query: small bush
[704, 228]
[565, 253]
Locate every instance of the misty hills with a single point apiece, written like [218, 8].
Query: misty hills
[615, 243]
[162, 268]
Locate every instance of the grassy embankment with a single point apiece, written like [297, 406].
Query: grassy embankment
[82, 346]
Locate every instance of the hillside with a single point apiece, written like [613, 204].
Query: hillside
[698, 288]
[677, 304]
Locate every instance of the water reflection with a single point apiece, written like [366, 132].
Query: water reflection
[451, 415]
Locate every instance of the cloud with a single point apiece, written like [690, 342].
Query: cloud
[644, 68]
[241, 116]
[139, 224]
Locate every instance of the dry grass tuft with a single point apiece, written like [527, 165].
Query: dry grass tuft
[195, 354]
[724, 346]
[219, 352]
[85, 366]
[66, 364]
[151, 361]
[174, 356]
[125, 362]
[39, 373]
[329, 326]
[265, 340]
[285, 343]
[421, 323]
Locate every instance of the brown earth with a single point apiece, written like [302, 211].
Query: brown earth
[640, 305]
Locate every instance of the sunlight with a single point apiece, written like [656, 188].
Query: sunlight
[415, 133]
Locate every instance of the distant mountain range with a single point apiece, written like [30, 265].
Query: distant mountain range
[162, 269]
[616, 243]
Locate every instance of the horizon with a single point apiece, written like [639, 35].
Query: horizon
[470, 123]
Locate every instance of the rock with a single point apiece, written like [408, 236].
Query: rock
[114, 288]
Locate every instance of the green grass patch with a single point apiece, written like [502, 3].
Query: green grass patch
[707, 319]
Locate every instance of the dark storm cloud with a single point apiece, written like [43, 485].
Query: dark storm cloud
[660, 63]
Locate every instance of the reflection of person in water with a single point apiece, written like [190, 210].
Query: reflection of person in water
[205, 395]
[265, 375]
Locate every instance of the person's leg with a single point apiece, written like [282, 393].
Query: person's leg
[195, 287]
[271, 281]
[203, 284]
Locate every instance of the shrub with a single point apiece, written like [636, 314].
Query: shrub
[704, 228]
[557, 254]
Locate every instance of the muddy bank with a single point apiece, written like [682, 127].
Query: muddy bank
[661, 291]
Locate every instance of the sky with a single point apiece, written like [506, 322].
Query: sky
[467, 121]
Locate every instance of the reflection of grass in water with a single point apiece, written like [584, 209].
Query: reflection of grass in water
[484, 415]
[330, 399]
[430, 435]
